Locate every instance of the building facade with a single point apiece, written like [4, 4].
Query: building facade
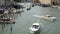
[53, 2]
[2, 2]
[45, 1]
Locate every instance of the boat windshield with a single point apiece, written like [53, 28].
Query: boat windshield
[50, 16]
[35, 26]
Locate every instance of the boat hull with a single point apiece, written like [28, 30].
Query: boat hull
[34, 32]
[47, 18]
[6, 22]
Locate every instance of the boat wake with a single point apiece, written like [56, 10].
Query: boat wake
[37, 16]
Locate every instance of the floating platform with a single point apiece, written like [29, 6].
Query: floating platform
[6, 22]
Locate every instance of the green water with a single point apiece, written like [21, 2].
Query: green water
[25, 20]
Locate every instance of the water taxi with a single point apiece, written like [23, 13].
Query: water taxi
[34, 28]
[48, 17]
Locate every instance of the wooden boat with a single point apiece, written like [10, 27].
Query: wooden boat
[7, 20]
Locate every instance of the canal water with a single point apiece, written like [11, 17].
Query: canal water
[26, 18]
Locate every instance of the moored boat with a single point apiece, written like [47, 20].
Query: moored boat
[7, 20]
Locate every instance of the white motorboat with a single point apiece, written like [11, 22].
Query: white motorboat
[48, 17]
[28, 6]
[58, 7]
[34, 28]
[54, 6]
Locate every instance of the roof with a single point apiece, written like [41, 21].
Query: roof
[1, 9]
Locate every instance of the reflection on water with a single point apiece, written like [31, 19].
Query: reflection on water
[6, 27]
[3, 25]
[38, 32]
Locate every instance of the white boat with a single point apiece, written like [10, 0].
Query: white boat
[35, 27]
[54, 6]
[28, 6]
[48, 17]
[58, 7]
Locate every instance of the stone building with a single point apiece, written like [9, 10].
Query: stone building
[55, 2]
[50, 1]
[2, 2]
[45, 1]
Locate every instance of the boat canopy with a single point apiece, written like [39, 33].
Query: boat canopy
[1, 11]
[35, 23]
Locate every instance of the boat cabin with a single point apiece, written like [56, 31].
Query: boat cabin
[35, 26]
[1, 11]
[49, 16]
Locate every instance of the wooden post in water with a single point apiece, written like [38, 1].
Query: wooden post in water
[9, 18]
